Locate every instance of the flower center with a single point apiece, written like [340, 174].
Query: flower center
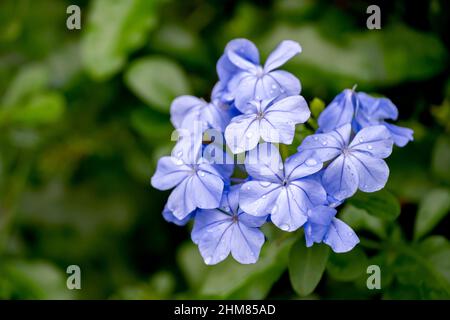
[285, 182]
[259, 72]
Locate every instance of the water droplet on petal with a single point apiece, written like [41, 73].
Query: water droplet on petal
[179, 162]
[202, 174]
[274, 86]
[280, 166]
[258, 97]
[369, 147]
[264, 196]
[179, 154]
[248, 188]
[315, 138]
[264, 184]
[284, 227]
[208, 260]
[281, 90]
[249, 135]
[324, 142]
[311, 162]
[361, 140]
[274, 209]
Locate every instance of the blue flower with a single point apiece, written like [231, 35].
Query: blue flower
[217, 232]
[283, 191]
[354, 165]
[273, 121]
[362, 111]
[322, 226]
[244, 79]
[197, 183]
[188, 111]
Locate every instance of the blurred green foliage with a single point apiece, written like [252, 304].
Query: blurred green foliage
[84, 118]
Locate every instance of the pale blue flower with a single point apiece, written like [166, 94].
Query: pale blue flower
[355, 165]
[283, 191]
[244, 79]
[227, 229]
[273, 121]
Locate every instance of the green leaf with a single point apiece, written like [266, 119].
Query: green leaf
[441, 158]
[381, 204]
[306, 266]
[154, 127]
[347, 266]
[42, 109]
[231, 280]
[191, 264]
[433, 207]
[157, 81]
[115, 29]
[29, 80]
[359, 219]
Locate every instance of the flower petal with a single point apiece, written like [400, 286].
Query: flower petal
[265, 163]
[205, 222]
[282, 53]
[327, 145]
[302, 164]
[319, 220]
[340, 237]
[180, 200]
[288, 83]
[242, 133]
[339, 112]
[169, 173]
[247, 91]
[215, 245]
[376, 109]
[182, 106]
[287, 213]
[246, 243]
[206, 189]
[400, 135]
[373, 173]
[375, 141]
[307, 193]
[340, 178]
[252, 221]
[169, 217]
[258, 197]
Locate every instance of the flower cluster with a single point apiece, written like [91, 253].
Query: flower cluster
[253, 109]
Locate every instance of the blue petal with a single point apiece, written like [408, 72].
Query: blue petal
[169, 217]
[287, 83]
[375, 109]
[205, 222]
[319, 220]
[340, 237]
[252, 221]
[249, 88]
[180, 201]
[280, 118]
[302, 164]
[327, 145]
[230, 200]
[216, 155]
[169, 173]
[206, 188]
[264, 163]
[188, 148]
[258, 197]
[215, 245]
[182, 106]
[375, 141]
[246, 243]
[339, 112]
[242, 133]
[241, 47]
[307, 193]
[372, 172]
[400, 135]
[340, 178]
[288, 214]
[282, 53]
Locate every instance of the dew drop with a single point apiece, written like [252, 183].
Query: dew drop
[264, 184]
[258, 97]
[369, 147]
[324, 142]
[208, 260]
[361, 140]
[280, 166]
[248, 187]
[274, 86]
[311, 162]
[202, 174]
[284, 227]
[179, 154]
[264, 196]
[274, 209]
[249, 135]
[281, 90]
[315, 138]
